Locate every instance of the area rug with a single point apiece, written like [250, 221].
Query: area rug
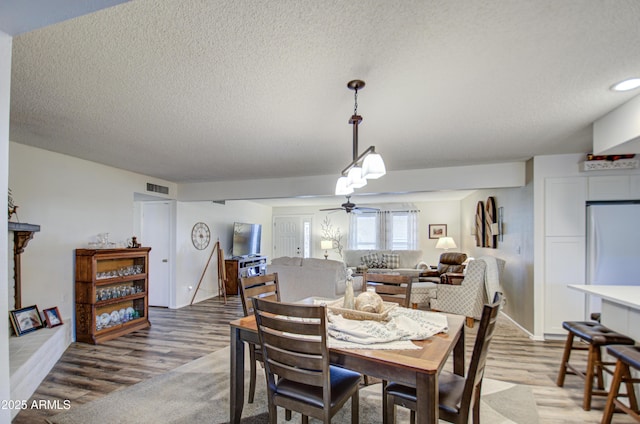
[198, 392]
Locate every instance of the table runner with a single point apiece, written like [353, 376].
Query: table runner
[403, 326]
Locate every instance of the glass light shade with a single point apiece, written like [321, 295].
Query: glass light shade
[446, 243]
[626, 85]
[355, 178]
[373, 167]
[342, 188]
[326, 244]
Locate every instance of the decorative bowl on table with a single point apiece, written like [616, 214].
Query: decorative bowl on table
[354, 314]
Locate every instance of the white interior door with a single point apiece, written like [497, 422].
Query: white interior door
[287, 236]
[156, 224]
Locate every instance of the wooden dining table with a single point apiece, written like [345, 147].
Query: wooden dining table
[414, 367]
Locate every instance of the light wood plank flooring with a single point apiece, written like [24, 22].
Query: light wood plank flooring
[87, 372]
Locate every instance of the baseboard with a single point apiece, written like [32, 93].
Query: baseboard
[524, 330]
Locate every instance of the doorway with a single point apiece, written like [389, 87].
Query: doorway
[156, 233]
[292, 236]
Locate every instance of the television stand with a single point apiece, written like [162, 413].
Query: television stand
[237, 268]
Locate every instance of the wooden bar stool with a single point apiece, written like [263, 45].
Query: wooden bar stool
[595, 336]
[627, 356]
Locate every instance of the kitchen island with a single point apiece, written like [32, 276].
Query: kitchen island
[620, 307]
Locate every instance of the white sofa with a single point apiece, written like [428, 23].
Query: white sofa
[299, 278]
[408, 261]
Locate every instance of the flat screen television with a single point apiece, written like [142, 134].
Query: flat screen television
[246, 239]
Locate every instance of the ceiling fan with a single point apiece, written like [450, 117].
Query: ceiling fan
[351, 207]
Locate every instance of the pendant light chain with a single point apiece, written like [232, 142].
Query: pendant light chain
[355, 102]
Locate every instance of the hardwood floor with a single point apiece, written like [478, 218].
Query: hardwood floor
[87, 372]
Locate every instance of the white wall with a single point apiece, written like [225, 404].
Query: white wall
[220, 218]
[5, 89]
[516, 248]
[437, 212]
[72, 200]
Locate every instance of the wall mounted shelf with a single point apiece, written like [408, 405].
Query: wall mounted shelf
[604, 165]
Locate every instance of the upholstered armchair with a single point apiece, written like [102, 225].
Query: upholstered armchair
[450, 262]
[466, 299]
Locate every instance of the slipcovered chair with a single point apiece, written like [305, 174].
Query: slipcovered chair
[449, 262]
[466, 299]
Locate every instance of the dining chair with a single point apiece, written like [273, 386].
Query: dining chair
[266, 287]
[458, 396]
[294, 348]
[391, 287]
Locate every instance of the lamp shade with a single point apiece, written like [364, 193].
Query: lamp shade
[355, 179]
[373, 167]
[342, 188]
[446, 243]
[326, 244]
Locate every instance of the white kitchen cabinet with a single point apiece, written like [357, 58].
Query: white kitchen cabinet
[564, 205]
[613, 187]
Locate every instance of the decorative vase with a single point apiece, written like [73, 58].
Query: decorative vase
[349, 301]
[369, 301]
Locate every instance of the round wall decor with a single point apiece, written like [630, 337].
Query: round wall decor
[200, 235]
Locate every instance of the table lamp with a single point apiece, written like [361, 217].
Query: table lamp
[446, 243]
[326, 245]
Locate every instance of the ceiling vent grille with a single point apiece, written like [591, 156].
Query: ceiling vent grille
[157, 188]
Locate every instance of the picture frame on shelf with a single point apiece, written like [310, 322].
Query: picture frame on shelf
[52, 317]
[25, 320]
[437, 230]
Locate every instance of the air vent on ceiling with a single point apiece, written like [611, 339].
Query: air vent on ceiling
[157, 188]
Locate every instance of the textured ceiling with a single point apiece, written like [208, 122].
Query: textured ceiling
[246, 89]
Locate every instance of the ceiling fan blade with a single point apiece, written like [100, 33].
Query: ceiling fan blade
[331, 209]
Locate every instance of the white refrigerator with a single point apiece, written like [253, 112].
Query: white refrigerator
[613, 246]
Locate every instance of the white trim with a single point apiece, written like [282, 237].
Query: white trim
[524, 330]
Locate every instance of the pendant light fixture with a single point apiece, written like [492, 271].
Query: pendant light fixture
[368, 165]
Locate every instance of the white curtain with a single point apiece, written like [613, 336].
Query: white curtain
[353, 231]
[385, 229]
[412, 230]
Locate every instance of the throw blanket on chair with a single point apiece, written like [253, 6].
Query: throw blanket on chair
[492, 276]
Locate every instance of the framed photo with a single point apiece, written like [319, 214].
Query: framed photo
[25, 320]
[437, 230]
[52, 316]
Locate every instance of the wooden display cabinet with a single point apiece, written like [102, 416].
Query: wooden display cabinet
[112, 293]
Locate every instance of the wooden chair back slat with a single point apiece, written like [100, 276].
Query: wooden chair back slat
[262, 286]
[290, 343]
[292, 326]
[391, 288]
[310, 377]
[302, 359]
